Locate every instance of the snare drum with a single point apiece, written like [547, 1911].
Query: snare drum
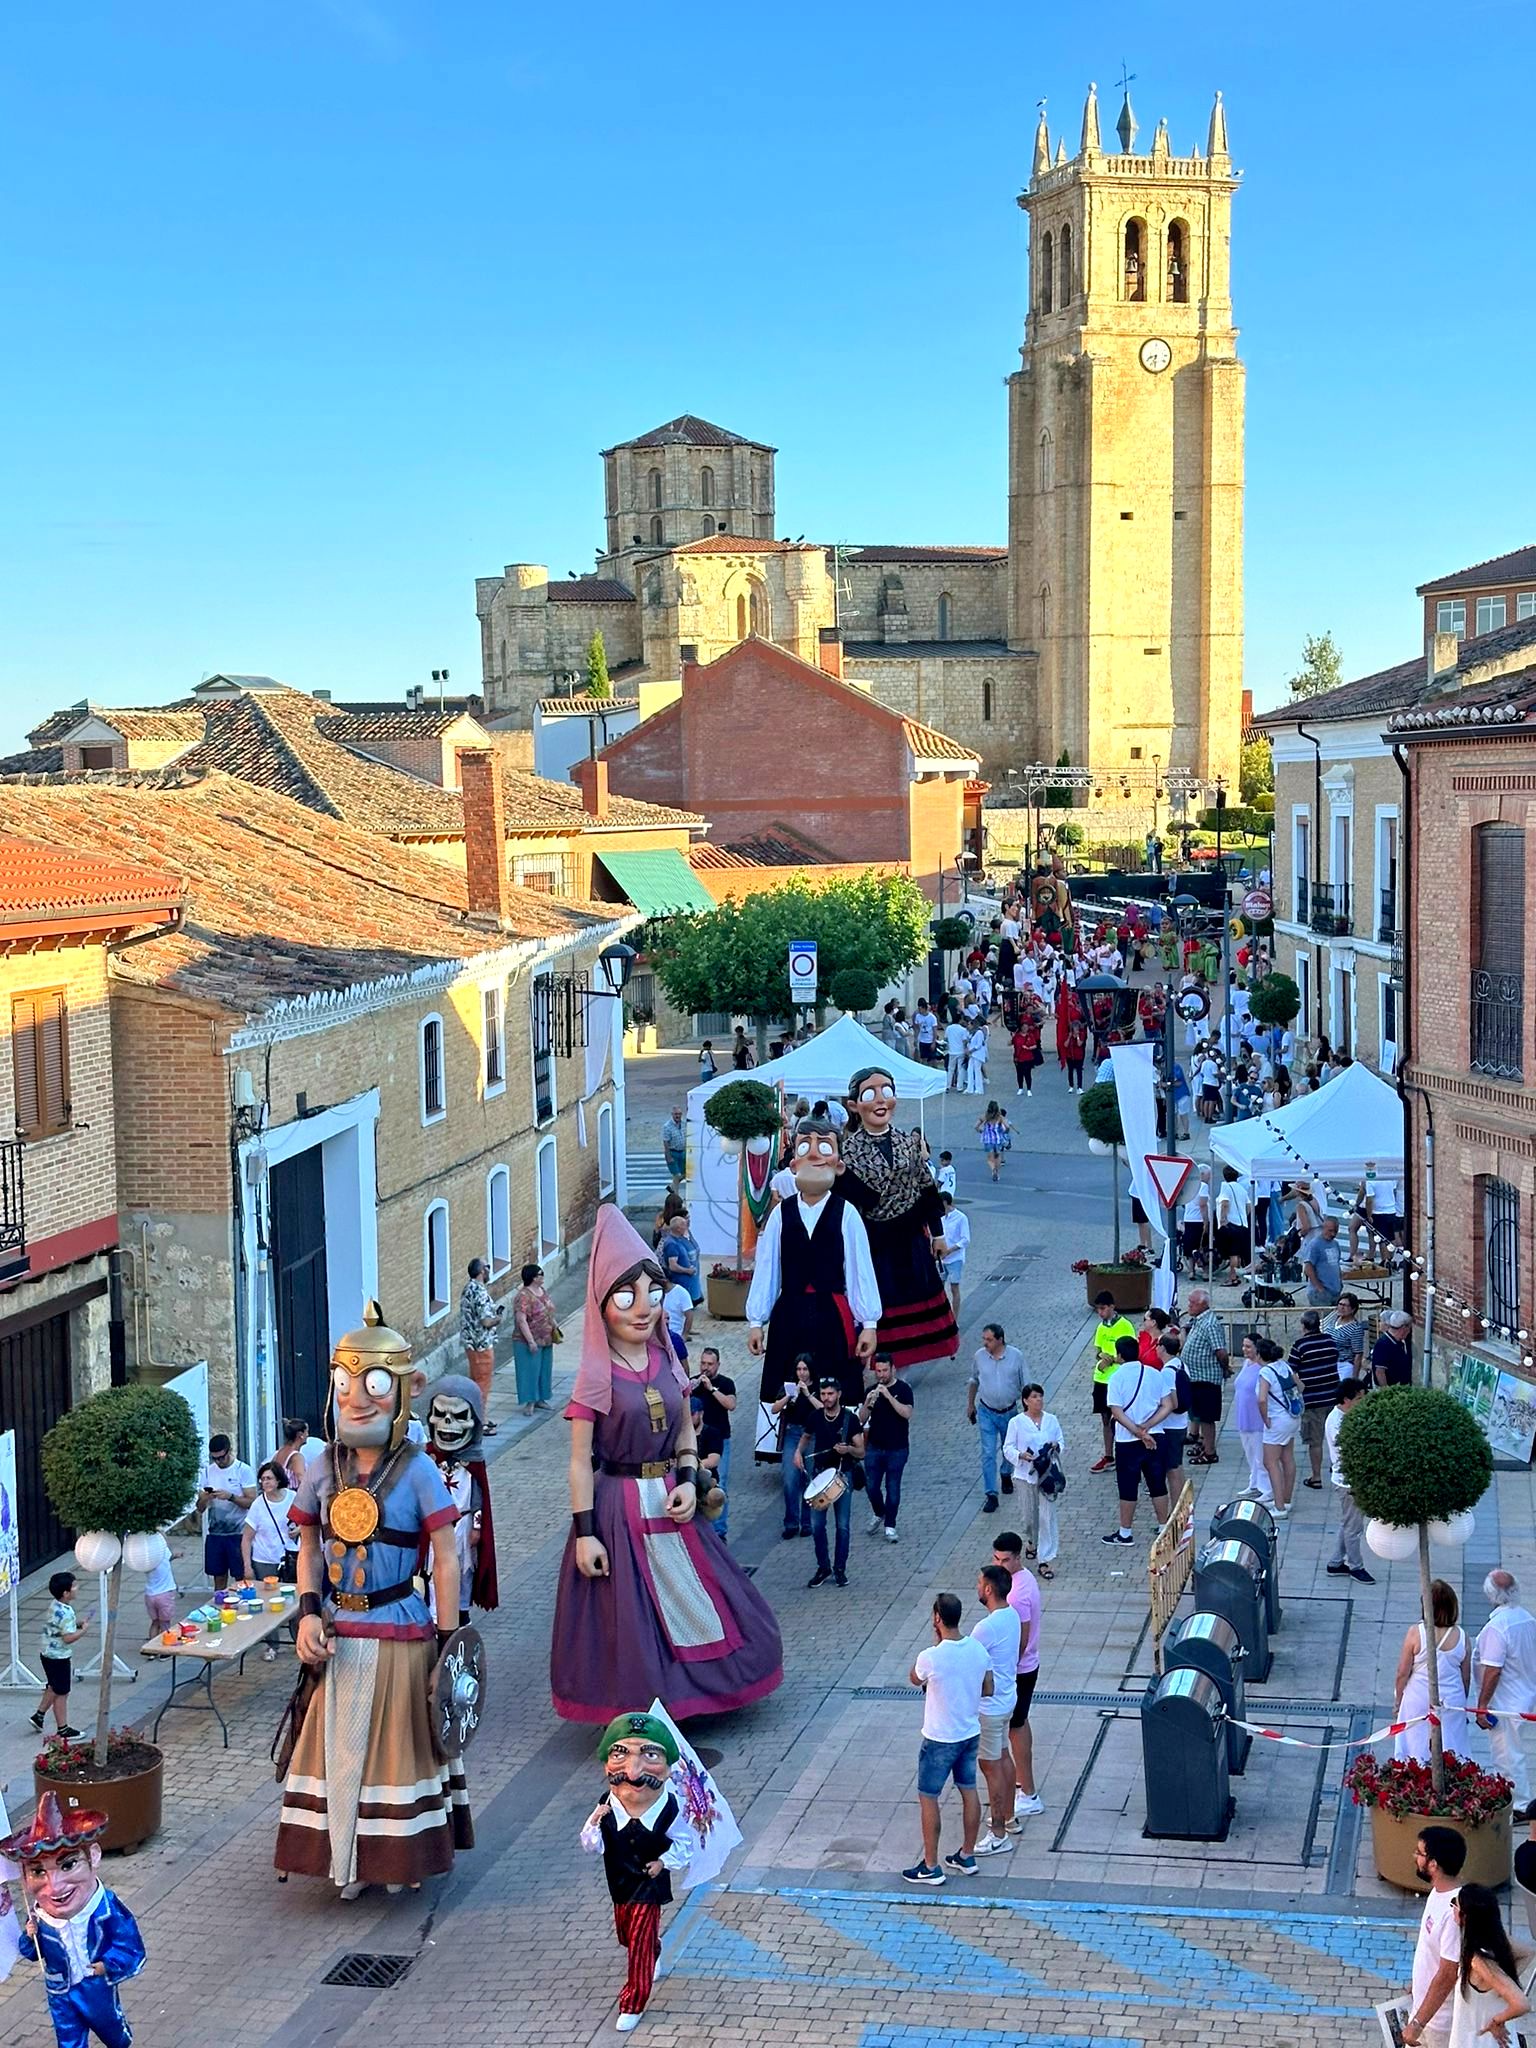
[825, 1490]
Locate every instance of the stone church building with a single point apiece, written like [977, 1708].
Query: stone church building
[1111, 624]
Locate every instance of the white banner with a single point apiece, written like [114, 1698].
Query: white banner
[192, 1385]
[1136, 1090]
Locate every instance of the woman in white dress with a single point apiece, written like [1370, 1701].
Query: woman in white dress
[1028, 1435]
[1488, 1992]
[1453, 1659]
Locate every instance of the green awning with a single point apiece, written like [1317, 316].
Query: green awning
[658, 884]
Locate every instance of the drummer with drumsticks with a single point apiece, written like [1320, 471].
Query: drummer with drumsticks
[833, 1444]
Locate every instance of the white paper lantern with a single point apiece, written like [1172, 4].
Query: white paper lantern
[97, 1550]
[1098, 1147]
[1452, 1533]
[1392, 1541]
[758, 1146]
[731, 1147]
[145, 1549]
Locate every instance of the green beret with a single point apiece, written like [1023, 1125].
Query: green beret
[646, 1727]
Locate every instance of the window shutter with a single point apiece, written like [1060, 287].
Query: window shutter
[24, 1061]
[53, 1062]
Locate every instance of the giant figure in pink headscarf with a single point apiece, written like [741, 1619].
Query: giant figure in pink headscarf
[651, 1604]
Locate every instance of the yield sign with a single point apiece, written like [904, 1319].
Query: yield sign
[1168, 1175]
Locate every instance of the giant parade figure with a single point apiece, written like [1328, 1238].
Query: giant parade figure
[651, 1603]
[888, 1181]
[813, 1279]
[83, 1935]
[375, 1790]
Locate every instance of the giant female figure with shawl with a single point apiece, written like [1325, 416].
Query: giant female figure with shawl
[651, 1604]
[887, 1180]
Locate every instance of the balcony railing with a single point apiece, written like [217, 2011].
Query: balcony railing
[13, 1210]
[1303, 900]
[1386, 917]
[1498, 1024]
[1332, 913]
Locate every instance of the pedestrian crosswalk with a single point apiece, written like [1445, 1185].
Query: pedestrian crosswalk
[648, 1178]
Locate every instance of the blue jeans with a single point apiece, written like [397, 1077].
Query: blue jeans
[797, 1516]
[882, 1473]
[535, 1370]
[992, 1428]
[842, 1511]
[722, 1527]
[938, 1762]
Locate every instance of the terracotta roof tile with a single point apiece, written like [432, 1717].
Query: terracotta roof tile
[925, 554]
[741, 544]
[1519, 566]
[353, 726]
[39, 882]
[928, 744]
[33, 761]
[589, 590]
[689, 431]
[535, 803]
[1403, 687]
[587, 705]
[281, 902]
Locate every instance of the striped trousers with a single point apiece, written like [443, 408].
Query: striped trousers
[638, 1928]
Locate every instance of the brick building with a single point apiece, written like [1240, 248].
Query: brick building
[341, 1075]
[62, 914]
[768, 746]
[1470, 1070]
[1501, 592]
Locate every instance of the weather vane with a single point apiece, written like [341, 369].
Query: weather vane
[1127, 78]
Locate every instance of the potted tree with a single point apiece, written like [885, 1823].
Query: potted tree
[1417, 1463]
[746, 1115]
[1274, 999]
[854, 990]
[118, 1468]
[1129, 1280]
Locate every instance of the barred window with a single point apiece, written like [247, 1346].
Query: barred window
[1501, 1254]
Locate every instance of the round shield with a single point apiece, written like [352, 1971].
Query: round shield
[457, 1699]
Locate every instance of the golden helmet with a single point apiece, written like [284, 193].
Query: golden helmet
[374, 1344]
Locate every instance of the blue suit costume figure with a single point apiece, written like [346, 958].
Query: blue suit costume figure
[84, 1936]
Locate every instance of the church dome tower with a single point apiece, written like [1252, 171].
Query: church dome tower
[685, 481]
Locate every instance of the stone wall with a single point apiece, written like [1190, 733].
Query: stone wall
[977, 594]
[950, 691]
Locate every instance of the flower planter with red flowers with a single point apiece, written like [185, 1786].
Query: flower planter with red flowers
[127, 1788]
[725, 1292]
[1401, 1797]
[1129, 1280]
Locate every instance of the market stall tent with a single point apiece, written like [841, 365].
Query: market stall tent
[819, 1069]
[1354, 1121]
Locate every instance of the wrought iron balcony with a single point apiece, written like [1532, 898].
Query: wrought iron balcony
[1386, 917]
[13, 1210]
[1332, 911]
[1498, 1024]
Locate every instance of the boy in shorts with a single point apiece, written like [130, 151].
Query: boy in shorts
[61, 1631]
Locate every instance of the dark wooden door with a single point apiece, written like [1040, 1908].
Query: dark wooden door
[299, 1285]
[34, 1393]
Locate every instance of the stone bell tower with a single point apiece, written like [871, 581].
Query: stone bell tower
[1125, 509]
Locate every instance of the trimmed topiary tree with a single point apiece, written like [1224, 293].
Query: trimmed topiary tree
[854, 989]
[1098, 1111]
[1413, 1456]
[951, 933]
[742, 1110]
[126, 1460]
[1274, 999]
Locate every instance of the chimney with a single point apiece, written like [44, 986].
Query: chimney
[591, 778]
[829, 650]
[1444, 653]
[485, 833]
[1247, 709]
[321, 696]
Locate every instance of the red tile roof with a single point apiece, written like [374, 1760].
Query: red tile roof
[689, 431]
[589, 590]
[280, 902]
[354, 728]
[536, 803]
[587, 705]
[1519, 566]
[48, 889]
[741, 544]
[928, 744]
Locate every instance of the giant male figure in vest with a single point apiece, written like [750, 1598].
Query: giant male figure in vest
[813, 1283]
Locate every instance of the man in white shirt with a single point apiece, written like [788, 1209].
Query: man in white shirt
[956, 1676]
[1138, 1398]
[976, 1059]
[1438, 1857]
[955, 1038]
[677, 1307]
[225, 1489]
[1002, 1632]
[1506, 1657]
[951, 1252]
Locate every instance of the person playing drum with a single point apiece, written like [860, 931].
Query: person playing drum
[830, 1449]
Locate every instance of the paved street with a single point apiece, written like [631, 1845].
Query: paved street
[1279, 1937]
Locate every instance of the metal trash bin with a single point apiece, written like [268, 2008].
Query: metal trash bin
[1184, 1758]
[1209, 1643]
[1229, 1581]
[1251, 1522]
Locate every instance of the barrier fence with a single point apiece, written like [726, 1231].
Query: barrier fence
[1170, 1561]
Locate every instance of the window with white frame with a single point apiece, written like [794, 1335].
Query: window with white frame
[1491, 613]
[1525, 605]
[548, 1186]
[553, 873]
[434, 1081]
[1301, 863]
[498, 1219]
[435, 1283]
[1451, 616]
[493, 1038]
[605, 1160]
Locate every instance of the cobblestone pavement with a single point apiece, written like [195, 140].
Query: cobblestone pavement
[1279, 1937]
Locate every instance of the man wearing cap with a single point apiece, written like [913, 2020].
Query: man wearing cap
[639, 1828]
[83, 1935]
[1391, 1354]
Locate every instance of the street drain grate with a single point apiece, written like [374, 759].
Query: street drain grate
[368, 1973]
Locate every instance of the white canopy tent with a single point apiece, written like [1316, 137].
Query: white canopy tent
[819, 1069]
[1335, 1133]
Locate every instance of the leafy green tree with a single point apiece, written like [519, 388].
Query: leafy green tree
[1274, 999]
[1322, 667]
[854, 990]
[1257, 773]
[598, 684]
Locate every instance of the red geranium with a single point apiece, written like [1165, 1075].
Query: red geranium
[1472, 1794]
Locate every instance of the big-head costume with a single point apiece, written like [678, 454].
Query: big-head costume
[662, 1609]
[813, 1280]
[455, 1427]
[888, 1181]
[640, 1829]
[368, 1799]
[83, 1935]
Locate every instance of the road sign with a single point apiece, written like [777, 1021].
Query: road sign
[1167, 1174]
[1257, 905]
[802, 970]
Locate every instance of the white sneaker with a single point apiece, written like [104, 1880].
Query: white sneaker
[995, 1845]
[627, 2022]
[876, 1524]
[1027, 1803]
[891, 1536]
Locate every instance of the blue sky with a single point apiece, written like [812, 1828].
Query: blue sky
[320, 308]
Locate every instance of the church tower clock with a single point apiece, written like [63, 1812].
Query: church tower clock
[1125, 509]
